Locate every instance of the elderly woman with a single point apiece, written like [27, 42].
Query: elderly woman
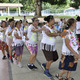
[3, 45]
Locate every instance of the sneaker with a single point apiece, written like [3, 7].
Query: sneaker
[30, 67]
[4, 57]
[79, 49]
[20, 65]
[43, 66]
[34, 67]
[14, 61]
[11, 60]
[8, 55]
[47, 74]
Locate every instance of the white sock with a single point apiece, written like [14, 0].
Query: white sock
[32, 64]
[29, 64]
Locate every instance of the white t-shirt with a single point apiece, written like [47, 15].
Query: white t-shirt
[15, 40]
[77, 27]
[8, 30]
[46, 39]
[22, 27]
[73, 43]
[33, 36]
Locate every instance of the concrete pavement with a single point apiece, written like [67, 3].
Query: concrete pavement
[25, 74]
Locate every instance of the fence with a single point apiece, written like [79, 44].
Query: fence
[46, 12]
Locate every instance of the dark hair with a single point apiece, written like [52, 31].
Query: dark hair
[21, 21]
[61, 19]
[6, 18]
[16, 23]
[12, 17]
[3, 22]
[78, 18]
[48, 18]
[10, 20]
[34, 18]
[70, 22]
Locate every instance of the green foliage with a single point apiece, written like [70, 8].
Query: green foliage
[58, 2]
[2, 1]
[75, 4]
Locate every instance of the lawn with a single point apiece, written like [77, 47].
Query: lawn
[16, 17]
[29, 17]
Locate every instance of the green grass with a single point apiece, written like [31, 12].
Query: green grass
[29, 17]
[15, 17]
[65, 16]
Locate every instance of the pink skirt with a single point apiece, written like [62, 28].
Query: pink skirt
[32, 49]
[9, 42]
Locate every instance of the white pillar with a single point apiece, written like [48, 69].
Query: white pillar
[8, 11]
[19, 10]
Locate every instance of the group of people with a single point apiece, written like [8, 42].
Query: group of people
[18, 33]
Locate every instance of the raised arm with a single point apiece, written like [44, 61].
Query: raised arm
[54, 34]
[37, 30]
[17, 36]
[51, 34]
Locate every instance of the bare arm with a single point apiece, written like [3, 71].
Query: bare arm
[37, 30]
[78, 29]
[9, 33]
[17, 36]
[25, 36]
[67, 41]
[1, 30]
[47, 31]
[51, 34]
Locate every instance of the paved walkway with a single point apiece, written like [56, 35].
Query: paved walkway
[5, 69]
[25, 74]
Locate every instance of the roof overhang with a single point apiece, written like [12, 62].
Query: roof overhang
[10, 5]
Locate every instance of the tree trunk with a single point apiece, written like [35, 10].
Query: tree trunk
[38, 8]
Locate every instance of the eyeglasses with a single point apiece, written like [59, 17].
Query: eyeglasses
[37, 20]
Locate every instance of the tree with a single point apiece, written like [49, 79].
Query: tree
[2, 1]
[75, 3]
[52, 2]
[35, 5]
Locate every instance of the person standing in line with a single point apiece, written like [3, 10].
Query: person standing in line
[17, 35]
[9, 38]
[48, 44]
[68, 62]
[32, 44]
[3, 45]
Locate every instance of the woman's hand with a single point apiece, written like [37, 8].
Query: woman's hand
[2, 31]
[77, 55]
[63, 34]
[34, 29]
[26, 38]
[37, 30]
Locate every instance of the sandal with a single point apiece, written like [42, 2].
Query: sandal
[69, 78]
[59, 77]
